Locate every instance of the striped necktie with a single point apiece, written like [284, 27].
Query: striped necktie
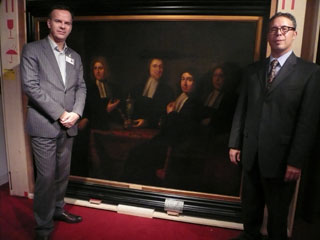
[272, 72]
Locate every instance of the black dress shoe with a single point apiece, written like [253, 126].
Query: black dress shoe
[67, 217]
[244, 236]
[39, 237]
[238, 238]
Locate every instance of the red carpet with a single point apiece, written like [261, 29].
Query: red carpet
[17, 223]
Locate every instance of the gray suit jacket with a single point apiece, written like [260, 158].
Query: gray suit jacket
[279, 124]
[48, 96]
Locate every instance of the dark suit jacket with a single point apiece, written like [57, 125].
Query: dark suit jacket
[279, 124]
[220, 117]
[152, 109]
[178, 127]
[48, 97]
[96, 108]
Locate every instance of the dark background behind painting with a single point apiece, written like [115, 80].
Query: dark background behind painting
[128, 45]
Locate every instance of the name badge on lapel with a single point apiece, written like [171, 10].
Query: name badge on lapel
[70, 60]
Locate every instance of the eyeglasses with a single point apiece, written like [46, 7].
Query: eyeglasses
[283, 29]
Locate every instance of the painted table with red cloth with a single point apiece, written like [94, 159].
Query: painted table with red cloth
[109, 150]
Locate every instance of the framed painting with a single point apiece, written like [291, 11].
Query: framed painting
[130, 149]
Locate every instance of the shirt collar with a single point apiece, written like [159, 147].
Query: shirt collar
[54, 45]
[282, 59]
[151, 79]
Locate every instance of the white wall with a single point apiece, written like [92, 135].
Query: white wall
[3, 158]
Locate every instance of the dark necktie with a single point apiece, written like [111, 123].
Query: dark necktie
[272, 72]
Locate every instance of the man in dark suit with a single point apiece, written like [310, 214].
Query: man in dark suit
[52, 78]
[152, 97]
[274, 128]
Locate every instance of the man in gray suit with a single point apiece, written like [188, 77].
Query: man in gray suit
[52, 78]
[273, 129]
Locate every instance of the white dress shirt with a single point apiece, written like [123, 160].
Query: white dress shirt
[61, 58]
[282, 59]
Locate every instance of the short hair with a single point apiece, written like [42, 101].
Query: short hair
[60, 6]
[286, 15]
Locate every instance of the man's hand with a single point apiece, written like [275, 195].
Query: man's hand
[234, 155]
[292, 174]
[112, 105]
[138, 123]
[170, 107]
[63, 116]
[68, 119]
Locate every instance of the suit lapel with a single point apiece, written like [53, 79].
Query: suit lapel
[52, 59]
[69, 67]
[285, 70]
[262, 73]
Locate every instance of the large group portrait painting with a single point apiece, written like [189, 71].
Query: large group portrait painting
[161, 93]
